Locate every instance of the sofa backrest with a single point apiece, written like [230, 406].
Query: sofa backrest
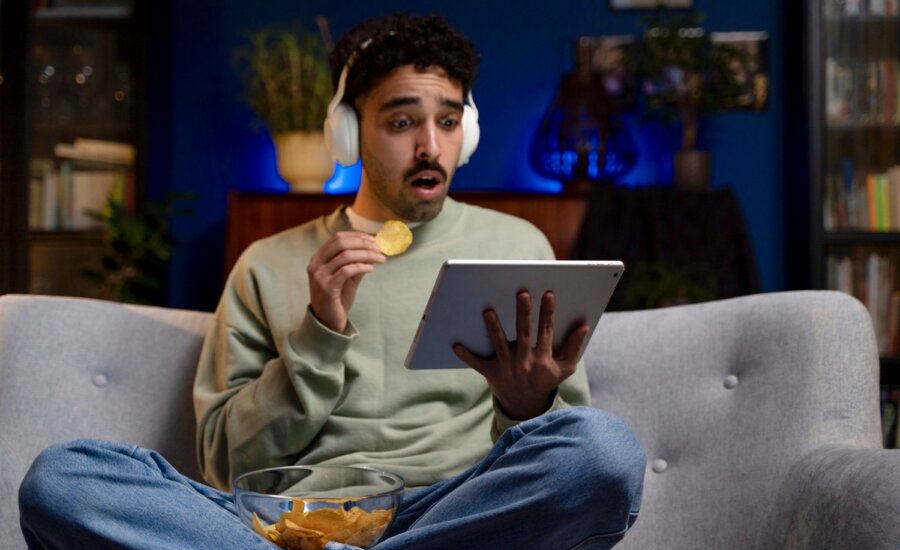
[725, 396]
[73, 368]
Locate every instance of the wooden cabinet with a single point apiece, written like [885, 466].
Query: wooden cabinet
[252, 216]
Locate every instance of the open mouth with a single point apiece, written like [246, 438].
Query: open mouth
[425, 182]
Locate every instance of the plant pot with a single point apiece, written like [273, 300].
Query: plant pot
[303, 160]
[693, 169]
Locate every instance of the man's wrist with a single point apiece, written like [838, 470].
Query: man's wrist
[522, 413]
[315, 340]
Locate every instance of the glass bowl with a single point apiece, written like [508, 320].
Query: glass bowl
[305, 507]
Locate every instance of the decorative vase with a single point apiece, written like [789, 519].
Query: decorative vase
[303, 160]
[693, 169]
[582, 136]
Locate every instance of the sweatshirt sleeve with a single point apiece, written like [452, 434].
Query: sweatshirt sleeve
[259, 404]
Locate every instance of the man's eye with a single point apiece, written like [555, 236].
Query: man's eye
[449, 123]
[400, 123]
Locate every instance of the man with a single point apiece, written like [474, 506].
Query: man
[304, 361]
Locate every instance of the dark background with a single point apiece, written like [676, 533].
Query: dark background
[202, 138]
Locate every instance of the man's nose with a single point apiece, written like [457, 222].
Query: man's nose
[427, 147]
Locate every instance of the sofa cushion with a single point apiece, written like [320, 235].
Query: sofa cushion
[725, 397]
[72, 368]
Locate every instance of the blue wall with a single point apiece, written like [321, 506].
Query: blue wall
[207, 144]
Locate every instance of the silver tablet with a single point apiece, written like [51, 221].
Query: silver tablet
[464, 289]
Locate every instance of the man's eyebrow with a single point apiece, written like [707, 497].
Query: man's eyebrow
[411, 100]
[453, 104]
[399, 102]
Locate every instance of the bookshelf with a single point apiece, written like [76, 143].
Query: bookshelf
[852, 73]
[75, 111]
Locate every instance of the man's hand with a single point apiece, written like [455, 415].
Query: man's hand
[335, 272]
[524, 378]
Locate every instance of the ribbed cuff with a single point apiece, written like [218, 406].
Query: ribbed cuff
[320, 345]
[502, 422]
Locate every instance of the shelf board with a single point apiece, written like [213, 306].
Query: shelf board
[851, 125]
[45, 235]
[862, 18]
[861, 237]
[83, 12]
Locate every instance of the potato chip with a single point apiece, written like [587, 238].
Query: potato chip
[259, 527]
[393, 238]
[302, 529]
[326, 520]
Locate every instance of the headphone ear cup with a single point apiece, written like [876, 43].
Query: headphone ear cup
[342, 135]
[471, 134]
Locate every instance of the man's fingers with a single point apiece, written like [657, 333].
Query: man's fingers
[477, 363]
[523, 322]
[336, 280]
[345, 240]
[347, 257]
[497, 335]
[342, 249]
[569, 352]
[545, 324]
[344, 265]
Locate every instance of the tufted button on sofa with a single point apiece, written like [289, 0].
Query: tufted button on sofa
[759, 415]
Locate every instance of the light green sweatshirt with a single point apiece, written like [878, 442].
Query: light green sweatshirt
[275, 387]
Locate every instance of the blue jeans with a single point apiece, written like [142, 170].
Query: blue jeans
[570, 479]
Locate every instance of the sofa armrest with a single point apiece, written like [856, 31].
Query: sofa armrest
[839, 497]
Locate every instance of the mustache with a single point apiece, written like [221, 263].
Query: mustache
[421, 166]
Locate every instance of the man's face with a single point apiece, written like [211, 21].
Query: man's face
[410, 140]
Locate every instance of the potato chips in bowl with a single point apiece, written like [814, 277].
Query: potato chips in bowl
[305, 507]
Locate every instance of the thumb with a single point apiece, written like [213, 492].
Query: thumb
[476, 363]
[573, 343]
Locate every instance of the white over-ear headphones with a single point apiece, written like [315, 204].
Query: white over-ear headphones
[342, 125]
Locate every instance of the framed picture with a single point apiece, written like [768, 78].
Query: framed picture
[612, 57]
[650, 4]
[750, 67]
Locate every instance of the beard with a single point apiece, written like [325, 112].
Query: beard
[409, 208]
[394, 194]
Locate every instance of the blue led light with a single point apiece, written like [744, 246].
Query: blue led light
[345, 180]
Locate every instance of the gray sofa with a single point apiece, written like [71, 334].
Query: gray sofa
[759, 414]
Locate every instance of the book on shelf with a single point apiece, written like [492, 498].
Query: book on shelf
[855, 200]
[95, 150]
[90, 190]
[41, 176]
[862, 91]
[851, 8]
[870, 276]
[80, 179]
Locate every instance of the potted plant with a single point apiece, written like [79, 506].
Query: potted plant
[683, 78]
[657, 284]
[136, 249]
[287, 83]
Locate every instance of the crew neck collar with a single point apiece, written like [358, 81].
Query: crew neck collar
[366, 225]
[423, 232]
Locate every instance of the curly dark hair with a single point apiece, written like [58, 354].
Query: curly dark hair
[397, 40]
